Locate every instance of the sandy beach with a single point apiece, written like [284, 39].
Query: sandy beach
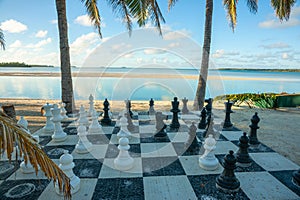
[279, 129]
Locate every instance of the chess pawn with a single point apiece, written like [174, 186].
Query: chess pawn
[67, 165]
[242, 156]
[253, 130]
[227, 181]
[23, 123]
[83, 120]
[83, 145]
[124, 161]
[91, 103]
[59, 135]
[95, 127]
[296, 178]
[202, 124]
[151, 107]
[63, 111]
[49, 127]
[123, 130]
[185, 109]
[208, 161]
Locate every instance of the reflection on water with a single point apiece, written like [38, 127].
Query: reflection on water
[121, 88]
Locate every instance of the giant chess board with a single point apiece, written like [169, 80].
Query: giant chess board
[162, 169]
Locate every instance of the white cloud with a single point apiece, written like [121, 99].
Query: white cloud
[54, 21]
[154, 51]
[83, 20]
[173, 35]
[277, 45]
[40, 43]
[276, 23]
[221, 53]
[285, 56]
[82, 43]
[16, 44]
[41, 34]
[13, 26]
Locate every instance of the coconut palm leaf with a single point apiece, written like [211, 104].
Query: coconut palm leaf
[283, 8]
[171, 3]
[93, 13]
[12, 135]
[2, 41]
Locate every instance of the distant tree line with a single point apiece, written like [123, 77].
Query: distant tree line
[18, 64]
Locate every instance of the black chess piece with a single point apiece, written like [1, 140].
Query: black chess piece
[253, 130]
[227, 123]
[227, 181]
[128, 107]
[202, 124]
[175, 123]
[151, 107]
[160, 126]
[192, 145]
[185, 109]
[208, 106]
[130, 126]
[296, 178]
[106, 119]
[242, 156]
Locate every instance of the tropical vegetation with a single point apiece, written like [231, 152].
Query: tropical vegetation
[2, 41]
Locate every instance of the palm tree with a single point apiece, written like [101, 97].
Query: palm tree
[282, 8]
[2, 41]
[141, 10]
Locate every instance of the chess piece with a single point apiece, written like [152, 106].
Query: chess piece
[227, 123]
[202, 124]
[208, 161]
[210, 128]
[253, 130]
[91, 103]
[160, 126]
[67, 165]
[128, 107]
[123, 130]
[26, 168]
[242, 156]
[208, 106]
[59, 135]
[296, 178]
[106, 119]
[130, 126]
[185, 109]
[175, 123]
[49, 127]
[151, 107]
[124, 161]
[227, 181]
[95, 127]
[192, 144]
[83, 120]
[23, 123]
[63, 111]
[83, 145]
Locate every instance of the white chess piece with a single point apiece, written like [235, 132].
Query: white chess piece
[63, 111]
[83, 120]
[124, 161]
[59, 135]
[95, 127]
[208, 161]
[123, 130]
[83, 145]
[67, 165]
[49, 127]
[91, 108]
[23, 123]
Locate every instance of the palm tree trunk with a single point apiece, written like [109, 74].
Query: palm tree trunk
[201, 87]
[66, 76]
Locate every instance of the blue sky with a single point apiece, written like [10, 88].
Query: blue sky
[259, 41]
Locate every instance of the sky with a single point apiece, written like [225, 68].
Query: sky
[259, 41]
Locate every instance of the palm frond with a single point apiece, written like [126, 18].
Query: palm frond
[12, 134]
[2, 41]
[252, 5]
[171, 3]
[230, 6]
[93, 13]
[155, 14]
[283, 8]
[138, 9]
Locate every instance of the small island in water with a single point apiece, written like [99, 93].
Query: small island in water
[258, 69]
[18, 64]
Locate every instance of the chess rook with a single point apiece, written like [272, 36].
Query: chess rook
[59, 135]
[106, 119]
[185, 109]
[227, 181]
[208, 160]
[49, 127]
[253, 130]
[202, 124]
[242, 156]
[227, 123]
[175, 123]
[124, 161]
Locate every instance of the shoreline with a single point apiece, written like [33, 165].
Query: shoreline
[278, 128]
